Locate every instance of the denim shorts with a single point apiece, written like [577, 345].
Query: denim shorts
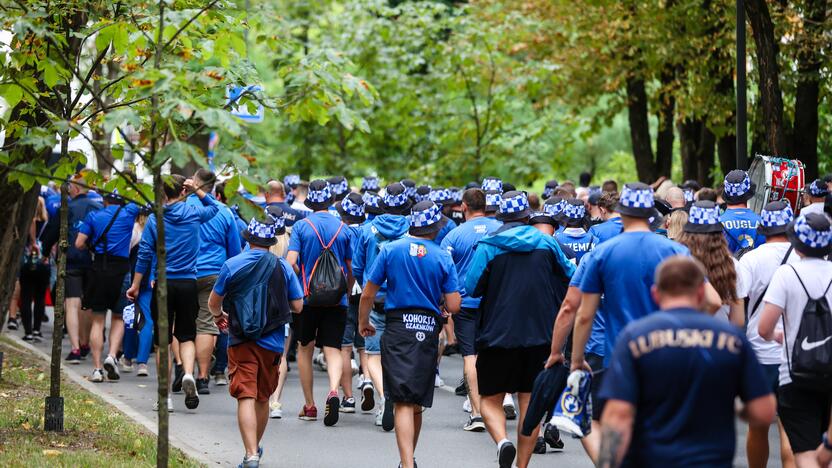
[351, 335]
[372, 344]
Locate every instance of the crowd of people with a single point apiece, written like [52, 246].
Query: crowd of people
[676, 299]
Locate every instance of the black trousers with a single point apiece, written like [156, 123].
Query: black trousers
[33, 286]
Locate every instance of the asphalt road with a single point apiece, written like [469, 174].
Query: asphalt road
[211, 429]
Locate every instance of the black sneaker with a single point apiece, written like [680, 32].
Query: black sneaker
[37, 334]
[44, 318]
[178, 373]
[368, 397]
[74, 357]
[539, 446]
[202, 387]
[506, 454]
[387, 420]
[461, 389]
[85, 351]
[331, 409]
[28, 337]
[12, 324]
[552, 437]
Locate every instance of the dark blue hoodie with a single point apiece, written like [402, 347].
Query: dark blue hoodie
[182, 222]
[388, 226]
[522, 276]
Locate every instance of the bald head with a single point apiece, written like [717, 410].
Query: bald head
[275, 192]
[676, 197]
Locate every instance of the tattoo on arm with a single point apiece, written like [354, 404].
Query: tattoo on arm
[610, 444]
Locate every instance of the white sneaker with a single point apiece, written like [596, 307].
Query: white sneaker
[354, 366]
[97, 376]
[112, 368]
[360, 382]
[466, 405]
[319, 362]
[141, 371]
[438, 382]
[220, 380]
[379, 415]
[276, 410]
[189, 387]
[509, 408]
[170, 405]
[125, 364]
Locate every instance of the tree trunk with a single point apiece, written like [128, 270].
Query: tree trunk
[705, 156]
[689, 130]
[771, 96]
[60, 289]
[640, 129]
[664, 138]
[726, 147]
[807, 94]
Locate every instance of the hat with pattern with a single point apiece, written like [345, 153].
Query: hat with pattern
[492, 184]
[541, 217]
[275, 213]
[636, 200]
[372, 203]
[514, 206]
[554, 207]
[320, 195]
[810, 234]
[492, 201]
[818, 189]
[738, 187]
[422, 193]
[351, 208]
[340, 187]
[550, 188]
[442, 196]
[261, 233]
[291, 180]
[775, 218]
[395, 199]
[574, 210]
[409, 187]
[426, 219]
[703, 218]
[370, 183]
[456, 195]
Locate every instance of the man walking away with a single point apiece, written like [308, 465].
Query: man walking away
[799, 297]
[522, 276]
[419, 276]
[814, 197]
[182, 224]
[276, 196]
[674, 376]
[460, 244]
[107, 233]
[253, 298]
[219, 240]
[320, 234]
[739, 221]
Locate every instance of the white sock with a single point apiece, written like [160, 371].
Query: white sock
[501, 443]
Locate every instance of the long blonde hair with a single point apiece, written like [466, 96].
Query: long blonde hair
[676, 223]
[281, 248]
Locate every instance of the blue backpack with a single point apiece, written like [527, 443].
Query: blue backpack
[250, 303]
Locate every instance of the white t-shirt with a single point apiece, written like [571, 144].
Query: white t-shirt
[816, 207]
[300, 206]
[754, 272]
[786, 292]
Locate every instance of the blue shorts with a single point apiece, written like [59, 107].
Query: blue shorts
[465, 330]
[351, 335]
[772, 375]
[372, 344]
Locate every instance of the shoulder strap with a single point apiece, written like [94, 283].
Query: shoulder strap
[320, 239]
[762, 294]
[801, 282]
[103, 236]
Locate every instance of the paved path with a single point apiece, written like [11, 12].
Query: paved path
[211, 430]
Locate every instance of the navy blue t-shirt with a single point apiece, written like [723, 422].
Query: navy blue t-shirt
[120, 233]
[578, 240]
[418, 273]
[309, 248]
[682, 370]
[290, 215]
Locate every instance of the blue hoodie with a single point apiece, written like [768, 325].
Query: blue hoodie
[522, 276]
[219, 239]
[182, 223]
[388, 226]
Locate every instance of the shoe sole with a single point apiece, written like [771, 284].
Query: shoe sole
[387, 421]
[506, 456]
[308, 418]
[275, 417]
[347, 409]
[112, 372]
[368, 401]
[191, 397]
[474, 429]
[141, 374]
[73, 362]
[332, 409]
[511, 412]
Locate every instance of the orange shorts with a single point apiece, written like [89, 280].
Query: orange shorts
[253, 371]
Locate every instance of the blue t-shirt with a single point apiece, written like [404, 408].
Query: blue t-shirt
[275, 340]
[597, 341]
[607, 230]
[740, 228]
[418, 273]
[120, 233]
[622, 270]
[682, 370]
[309, 248]
[578, 240]
[461, 243]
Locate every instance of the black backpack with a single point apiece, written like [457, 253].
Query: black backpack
[810, 362]
[327, 281]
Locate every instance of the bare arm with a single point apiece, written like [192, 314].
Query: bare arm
[133, 291]
[215, 303]
[81, 241]
[760, 412]
[365, 305]
[768, 322]
[712, 301]
[292, 258]
[737, 313]
[453, 301]
[350, 278]
[616, 431]
[563, 324]
[296, 306]
[583, 327]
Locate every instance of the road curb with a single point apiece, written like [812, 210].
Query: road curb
[116, 403]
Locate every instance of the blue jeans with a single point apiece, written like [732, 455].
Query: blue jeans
[137, 344]
[351, 335]
[372, 344]
[221, 354]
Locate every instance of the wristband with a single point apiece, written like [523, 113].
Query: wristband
[826, 444]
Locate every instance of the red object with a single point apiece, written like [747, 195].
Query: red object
[49, 297]
[776, 179]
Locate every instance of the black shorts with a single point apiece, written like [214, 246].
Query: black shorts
[183, 307]
[103, 290]
[409, 351]
[509, 370]
[465, 329]
[74, 283]
[597, 403]
[804, 414]
[323, 325]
